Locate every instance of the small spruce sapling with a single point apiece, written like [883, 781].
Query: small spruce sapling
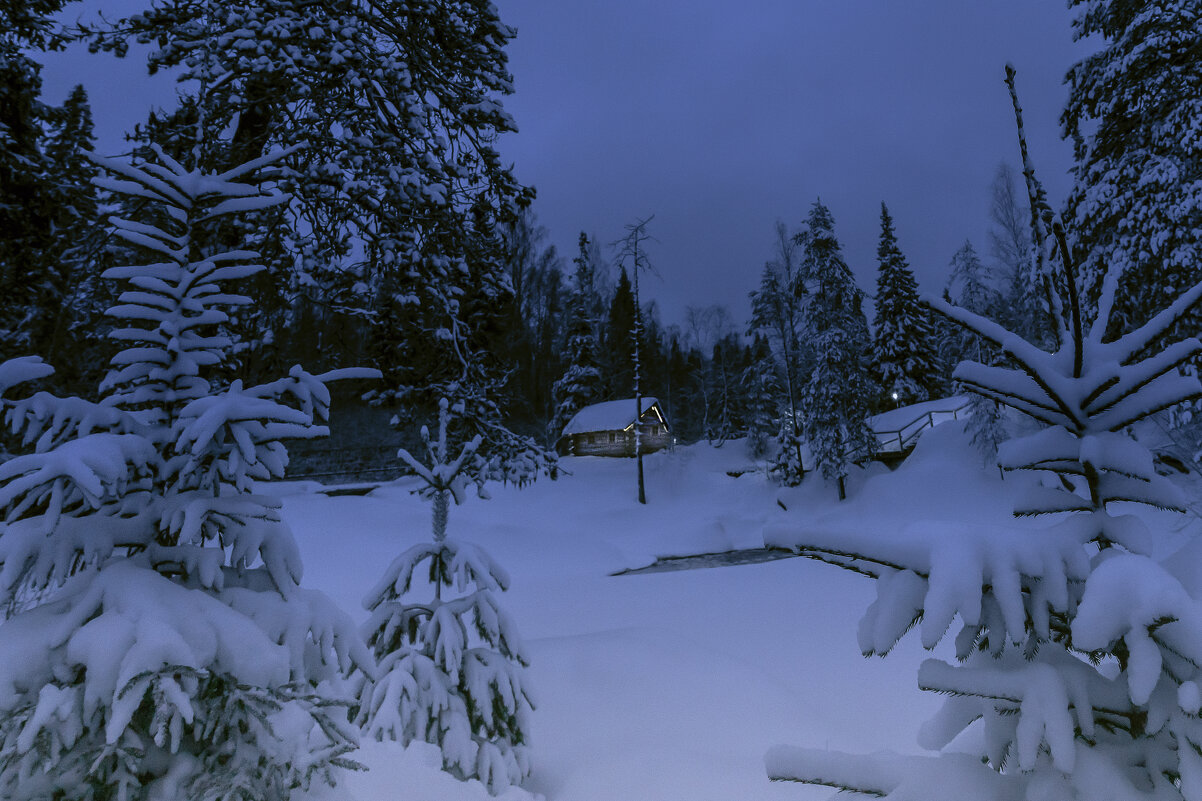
[987, 425]
[450, 662]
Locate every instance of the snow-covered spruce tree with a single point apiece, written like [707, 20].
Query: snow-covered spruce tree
[1080, 639]
[1134, 115]
[975, 293]
[776, 312]
[1135, 119]
[761, 390]
[580, 384]
[618, 344]
[788, 463]
[987, 425]
[166, 649]
[835, 398]
[903, 352]
[969, 286]
[450, 662]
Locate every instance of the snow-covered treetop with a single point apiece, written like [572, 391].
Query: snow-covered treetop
[1086, 385]
[174, 305]
[442, 475]
[167, 460]
[967, 282]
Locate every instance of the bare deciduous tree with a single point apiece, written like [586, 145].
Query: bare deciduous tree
[632, 250]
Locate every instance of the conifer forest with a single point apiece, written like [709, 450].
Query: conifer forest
[340, 459]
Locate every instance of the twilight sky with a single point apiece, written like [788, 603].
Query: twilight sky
[721, 118]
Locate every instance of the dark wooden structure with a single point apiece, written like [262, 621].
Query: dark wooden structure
[607, 429]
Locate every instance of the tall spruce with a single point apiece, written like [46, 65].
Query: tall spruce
[580, 384]
[26, 193]
[905, 360]
[655, 380]
[53, 244]
[761, 391]
[71, 306]
[685, 407]
[725, 369]
[619, 340]
[835, 399]
[777, 314]
[1134, 115]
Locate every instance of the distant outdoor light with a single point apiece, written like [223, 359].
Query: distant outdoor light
[895, 397]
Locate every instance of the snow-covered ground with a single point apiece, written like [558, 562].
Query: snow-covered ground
[665, 686]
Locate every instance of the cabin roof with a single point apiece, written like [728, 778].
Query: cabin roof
[612, 415]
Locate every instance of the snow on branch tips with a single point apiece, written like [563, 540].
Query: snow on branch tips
[450, 662]
[1078, 637]
[158, 642]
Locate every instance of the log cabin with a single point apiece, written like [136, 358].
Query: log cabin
[607, 429]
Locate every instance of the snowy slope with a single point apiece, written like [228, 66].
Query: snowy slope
[665, 686]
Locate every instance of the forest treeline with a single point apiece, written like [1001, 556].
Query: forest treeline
[545, 334]
[409, 246]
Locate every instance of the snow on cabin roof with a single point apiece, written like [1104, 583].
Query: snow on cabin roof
[608, 416]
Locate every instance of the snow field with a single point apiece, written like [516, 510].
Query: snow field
[657, 686]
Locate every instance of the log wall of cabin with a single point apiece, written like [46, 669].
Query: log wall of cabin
[622, 443]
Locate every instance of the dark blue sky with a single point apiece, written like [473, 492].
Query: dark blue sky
[723, 117]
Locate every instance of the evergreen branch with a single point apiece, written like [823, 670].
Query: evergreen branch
[1149, 370]
[1027, 355]
[1132, 344]
[848, 561]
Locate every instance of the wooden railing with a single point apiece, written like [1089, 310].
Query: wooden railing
[902, 440]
